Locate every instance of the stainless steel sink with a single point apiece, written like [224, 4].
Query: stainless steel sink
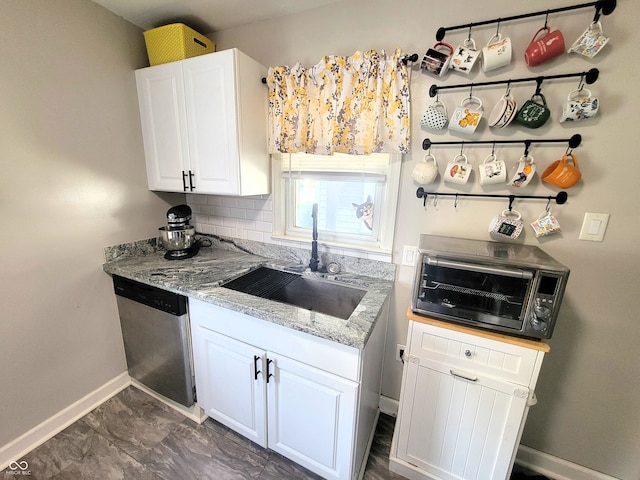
[315, 294]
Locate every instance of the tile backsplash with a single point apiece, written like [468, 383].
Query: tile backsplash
[251, 218]
[246, 218]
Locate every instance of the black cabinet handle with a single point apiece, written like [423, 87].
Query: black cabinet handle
[191, 186]
[269, 375]
[184, 181]
[255, 366]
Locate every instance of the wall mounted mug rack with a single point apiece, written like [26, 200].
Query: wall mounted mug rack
[605, 7]
[589, 77]
[560, 198]
[573, 142]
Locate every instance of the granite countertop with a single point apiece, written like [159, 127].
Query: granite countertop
[200, 277]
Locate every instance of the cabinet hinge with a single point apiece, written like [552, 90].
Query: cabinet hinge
[195, 395]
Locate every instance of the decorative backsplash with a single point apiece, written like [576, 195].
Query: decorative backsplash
[246, 218]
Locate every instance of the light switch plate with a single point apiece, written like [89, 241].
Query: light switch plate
[593, 226]
[409, 255]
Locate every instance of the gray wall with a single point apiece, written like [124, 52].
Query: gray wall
[589, 386]
[72, 181]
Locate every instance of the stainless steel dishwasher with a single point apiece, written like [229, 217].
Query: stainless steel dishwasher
[157, 342]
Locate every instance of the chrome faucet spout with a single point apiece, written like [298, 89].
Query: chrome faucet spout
[313, 263]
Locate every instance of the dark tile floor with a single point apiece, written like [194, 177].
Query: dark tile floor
[134, 436]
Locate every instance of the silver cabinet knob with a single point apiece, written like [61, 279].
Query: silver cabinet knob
[467, 353]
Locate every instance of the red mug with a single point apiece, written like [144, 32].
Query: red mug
[544, 49]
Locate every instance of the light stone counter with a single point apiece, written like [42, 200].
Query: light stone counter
[201, 276]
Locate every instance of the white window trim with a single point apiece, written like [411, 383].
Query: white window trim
[386, 213]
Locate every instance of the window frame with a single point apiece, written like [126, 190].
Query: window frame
[385, 211]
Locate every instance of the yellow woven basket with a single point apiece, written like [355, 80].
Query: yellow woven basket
[170, 43]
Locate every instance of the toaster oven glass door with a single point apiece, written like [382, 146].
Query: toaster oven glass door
[474, 292]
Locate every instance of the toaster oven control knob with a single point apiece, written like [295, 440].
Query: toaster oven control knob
[541, 312]
[540, 317]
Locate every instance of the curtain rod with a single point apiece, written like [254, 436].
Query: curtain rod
[407, 58]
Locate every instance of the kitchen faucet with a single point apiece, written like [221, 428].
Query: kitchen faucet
[313, 263]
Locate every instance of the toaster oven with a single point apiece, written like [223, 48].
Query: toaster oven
[508, 288]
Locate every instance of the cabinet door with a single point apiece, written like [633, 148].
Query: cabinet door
[230, 383]
[164, 125]
[456, 427]
[311, 416]
[211, 96]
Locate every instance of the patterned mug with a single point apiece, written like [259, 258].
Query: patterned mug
[579, 106]
[546, 224]
[590, 42]
[435, 118]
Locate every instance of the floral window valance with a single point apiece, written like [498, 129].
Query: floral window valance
[355, 105]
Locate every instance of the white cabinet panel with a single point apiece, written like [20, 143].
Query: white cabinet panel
[164, 127]
[230, 383]
[311, 416]
[458, 428]
[210, 87]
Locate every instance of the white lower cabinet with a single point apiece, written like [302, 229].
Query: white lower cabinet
[461, 412]
[298, 395]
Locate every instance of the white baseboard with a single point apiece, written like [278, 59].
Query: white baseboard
[389, 406]
[556, 468]
[39, 434]
[193, 412]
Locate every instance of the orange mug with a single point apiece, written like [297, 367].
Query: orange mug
[561, 173]
[549, 46]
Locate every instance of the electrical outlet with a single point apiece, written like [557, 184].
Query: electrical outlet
[400, 350]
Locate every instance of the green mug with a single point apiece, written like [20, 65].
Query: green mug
[534, 113]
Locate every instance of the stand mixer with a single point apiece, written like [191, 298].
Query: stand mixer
[178, 237]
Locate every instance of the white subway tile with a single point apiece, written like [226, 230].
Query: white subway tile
[237, 213]
[229, 201]
[255, 236]
[264, 227]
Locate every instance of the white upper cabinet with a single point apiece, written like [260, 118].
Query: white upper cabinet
[204, 125]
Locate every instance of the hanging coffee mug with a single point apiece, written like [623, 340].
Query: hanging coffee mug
[464, 57]
[507, 225]
[551, 45]
[590, 42]
[546, 224]
[497, 53]
[503, 112]
[579, 106]
[458, 171]
[563, 173]
[466, 117]
[436, 60]
[426, 170]
[492, 170]
[534, 113]
[435, 118]
[522, 172]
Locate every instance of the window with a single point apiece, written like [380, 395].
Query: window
[356, 197]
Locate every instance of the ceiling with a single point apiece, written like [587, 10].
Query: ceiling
[206, 16]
